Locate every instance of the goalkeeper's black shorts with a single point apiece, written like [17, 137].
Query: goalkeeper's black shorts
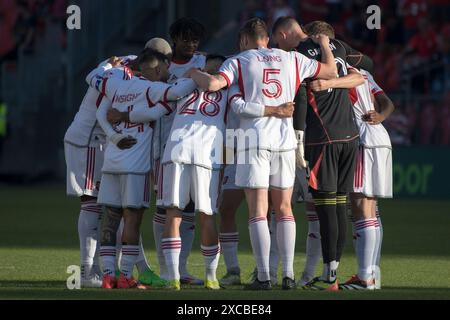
[332, 166]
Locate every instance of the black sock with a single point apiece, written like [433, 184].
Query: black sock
[325, 203]
[341, 213]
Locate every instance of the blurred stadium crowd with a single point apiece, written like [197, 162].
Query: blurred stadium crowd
[411, 51]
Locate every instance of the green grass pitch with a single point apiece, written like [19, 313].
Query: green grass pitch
[38, 241]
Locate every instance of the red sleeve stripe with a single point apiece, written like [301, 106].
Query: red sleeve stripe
[319, 66]
[104, 86]
[297, 76]
[150, 102]
[234, 96]
[167, 106]
[165, 94]
[374, 92]
[226, 78]
[241, 79]
[99, 100]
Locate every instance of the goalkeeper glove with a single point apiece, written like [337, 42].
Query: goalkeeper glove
[300, 155]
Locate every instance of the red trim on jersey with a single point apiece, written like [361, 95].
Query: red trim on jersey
[313, 174]
[99, 100]
[181, 61]
[377, 92]
[234, 96]
[165, 94]
[223, 74]
[353, 95]
[240, 79]
[104, 86]
[167, 106]
[313, 104]
[319, 66]
[297, 76]
[150, 102]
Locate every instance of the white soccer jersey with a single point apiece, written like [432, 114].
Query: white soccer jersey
[198, 129]
[177, 70]
[371, 136]
[269, 77]
[84, 129]
[134, 94]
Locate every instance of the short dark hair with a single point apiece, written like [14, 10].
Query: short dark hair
[187, 28]
[255, 28]
[282, 22]
[149, 56]
[320, 27]
[214, 56]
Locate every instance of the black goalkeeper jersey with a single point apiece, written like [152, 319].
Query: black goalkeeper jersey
[330, 116]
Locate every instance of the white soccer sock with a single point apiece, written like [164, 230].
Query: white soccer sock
[330, 271]
[365, 247]
[88, 225]
[229, 247]
[274, 254]
[172, 248]
[211, 256]
[158, 229]
[379, 228]
[108, 257]
[187, 233]
[260, 240]
[96, 267]
[141, 262]
[286, 244]
[119, 244]
[129, 256]
[313, 245]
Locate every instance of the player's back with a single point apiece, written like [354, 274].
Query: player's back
[198, 129]
[130, 95]
[330, 115]
[269, 77]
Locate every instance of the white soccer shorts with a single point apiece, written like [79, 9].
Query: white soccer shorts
[84, 165]
[264, 169]
[183, 182]
[125, 190]
[373, 172]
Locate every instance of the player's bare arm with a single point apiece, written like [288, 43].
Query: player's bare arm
[384, 107]
[328, 68]
[206, 81]
[122, 141]
[353, 79]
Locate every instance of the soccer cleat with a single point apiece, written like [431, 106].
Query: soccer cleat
[304, 280]
[322, 285]
[125, 283]
[288, 284]
[173, 285]
[231, 279]
[212, 285]
[355, 283]
[377, 279]
[190, 279]
[258, 285]
[95, 281]
[253, 276]
[109, 282]
[150, 278]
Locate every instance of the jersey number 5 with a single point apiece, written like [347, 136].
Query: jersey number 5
[267, 74]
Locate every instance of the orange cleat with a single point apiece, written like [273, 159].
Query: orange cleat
[355, 283]
[109, 282]
[125, 283]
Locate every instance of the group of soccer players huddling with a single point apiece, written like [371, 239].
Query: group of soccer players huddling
[271, 126]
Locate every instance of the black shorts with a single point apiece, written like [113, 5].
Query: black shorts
[332, 166]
